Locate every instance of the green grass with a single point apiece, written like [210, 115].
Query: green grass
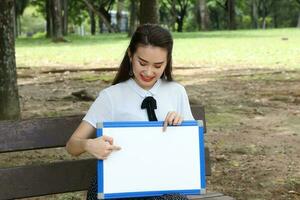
[275, 48]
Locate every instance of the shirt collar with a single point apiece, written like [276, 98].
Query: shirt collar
[142, 92]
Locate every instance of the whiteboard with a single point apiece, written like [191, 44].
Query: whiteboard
[152, 162]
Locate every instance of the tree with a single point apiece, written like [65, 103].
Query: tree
[298, 3]
[102, 12]
[178, 10]
[57, 21]
[133, 17]
[9, 98]
[149, 12]
[77, 14]
[49, 19]
[65, 17]
[181, 13]
[230, 7]
[120, 8]
[202, 15]
[254, 13]
[20, 6]
[56, 14]
[167, 13]
[92, 22]
[264, 10]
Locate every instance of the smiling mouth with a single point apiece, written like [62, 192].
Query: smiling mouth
[146, 79]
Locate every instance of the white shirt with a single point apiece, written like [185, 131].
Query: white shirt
[122, 102]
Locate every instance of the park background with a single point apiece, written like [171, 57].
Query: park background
[238, 58]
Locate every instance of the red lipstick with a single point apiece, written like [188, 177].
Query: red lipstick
[146, 79]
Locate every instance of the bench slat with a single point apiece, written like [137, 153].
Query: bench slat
[28, 181]
[36, 133]
[48, 132]
[204, 197]
[209, 196]
[207, 162]
[52, 178]
[198, 112]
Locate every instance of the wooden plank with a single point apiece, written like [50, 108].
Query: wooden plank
[207, 195]
[47, 132]
[36, 133]
[199, 114]
[207, 162]
[222, 198]
[52, 178]
[210, 196]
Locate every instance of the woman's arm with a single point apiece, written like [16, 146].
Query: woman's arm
[80, 142]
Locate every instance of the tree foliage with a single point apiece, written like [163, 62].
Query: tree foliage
[180, 15]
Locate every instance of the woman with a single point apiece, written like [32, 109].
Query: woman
[144, 78]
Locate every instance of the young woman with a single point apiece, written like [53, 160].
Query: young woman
[142, 90]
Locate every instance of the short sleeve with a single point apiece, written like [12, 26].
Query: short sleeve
[184, 106]
[100, 110]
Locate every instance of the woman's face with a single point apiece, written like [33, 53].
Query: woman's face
[148, 64]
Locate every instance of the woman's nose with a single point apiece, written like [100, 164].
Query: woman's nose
[148, 71]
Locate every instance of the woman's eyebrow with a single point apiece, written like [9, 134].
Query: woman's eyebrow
[148, 62]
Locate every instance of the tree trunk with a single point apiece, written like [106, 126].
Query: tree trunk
[19, 24]
[100, 25]
[133, 17]
[65, 17]
[93, 22]
[180, 18]
[203, 16]
[120, 8]
[254, 14]
[174, 15]
[107, 17]
[264, 23]
[181, 13]
[180, 24]
[149, 12]
[15, 20]
[231, 14]
[9, 98]
[100, 15]
[49, 19]
[298, 25]
[57, 21]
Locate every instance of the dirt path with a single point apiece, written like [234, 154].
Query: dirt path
[253, 118]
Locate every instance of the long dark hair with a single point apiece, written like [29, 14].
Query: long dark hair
[147, 34]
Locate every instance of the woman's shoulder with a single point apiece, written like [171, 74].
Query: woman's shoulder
[172, 85]
[114, 89]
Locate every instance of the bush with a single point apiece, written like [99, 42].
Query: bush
[246, 22]
[32, 22]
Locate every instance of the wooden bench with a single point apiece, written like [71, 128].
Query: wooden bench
[58, 177]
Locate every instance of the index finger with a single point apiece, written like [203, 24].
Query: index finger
[165, 125]
[114, 147]
[108, 139]
[166, 121]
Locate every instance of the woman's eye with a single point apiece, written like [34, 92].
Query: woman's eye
[142, 64]
[157, 66]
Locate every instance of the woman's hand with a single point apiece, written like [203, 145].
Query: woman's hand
[172, 118]
[101, 147]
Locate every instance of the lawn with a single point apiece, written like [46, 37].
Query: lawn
[275, 48]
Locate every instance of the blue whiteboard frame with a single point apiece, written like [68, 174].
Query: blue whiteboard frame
[123, 124]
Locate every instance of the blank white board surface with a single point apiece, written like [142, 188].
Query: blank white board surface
[152, 162]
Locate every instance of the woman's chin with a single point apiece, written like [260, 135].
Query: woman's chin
[146, 84]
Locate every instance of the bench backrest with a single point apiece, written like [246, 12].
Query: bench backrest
[50, 178]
